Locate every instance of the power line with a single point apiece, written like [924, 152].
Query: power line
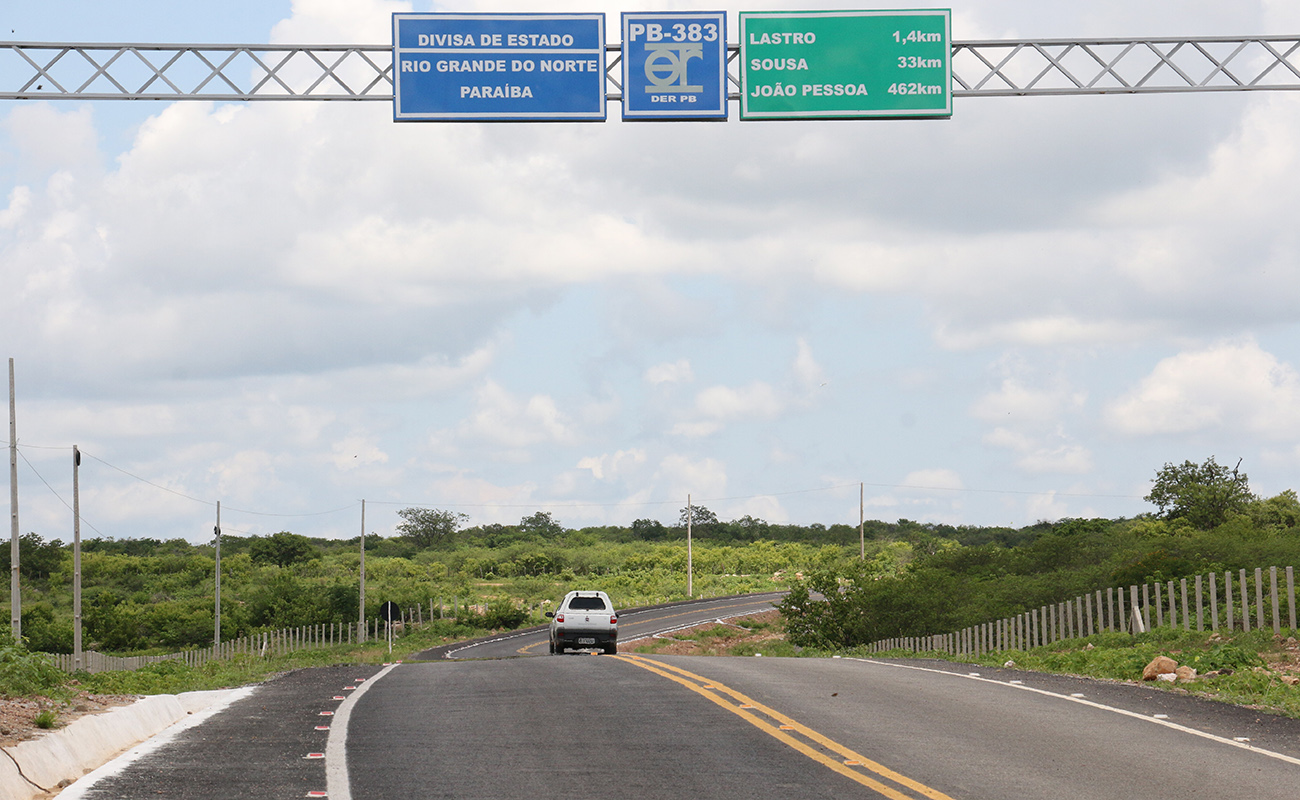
[213, 503]
[729, 498]
[574, 505]
[32, 467]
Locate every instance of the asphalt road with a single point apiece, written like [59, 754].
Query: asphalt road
[674, 727]
[632, 626]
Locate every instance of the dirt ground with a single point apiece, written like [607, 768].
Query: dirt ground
[18, 716]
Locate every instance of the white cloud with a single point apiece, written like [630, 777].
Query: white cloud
[612, 466]
[508, 421]
[807, 372]
[763, 507]
[244, 475]
[1016, 402]
[334, 21]
[1046, 507]
[1043, 454]
[356, 451]
[1233, 385]
[682, 475]
[724, 403]
[678, 371]
[696, 429]
[936, 478]
[49, 136]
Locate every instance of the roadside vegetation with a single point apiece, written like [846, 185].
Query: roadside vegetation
[144, 596]
[149, 597]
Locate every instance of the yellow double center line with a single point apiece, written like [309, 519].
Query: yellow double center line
[791, 733]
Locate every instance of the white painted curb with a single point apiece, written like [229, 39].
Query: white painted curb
[38, 766]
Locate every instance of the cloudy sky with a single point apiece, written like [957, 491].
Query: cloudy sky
[1017, 314]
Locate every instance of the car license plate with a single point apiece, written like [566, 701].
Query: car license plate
[586, 640]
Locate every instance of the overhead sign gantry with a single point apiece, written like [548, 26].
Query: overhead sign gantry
[227, 73]
[487, 67]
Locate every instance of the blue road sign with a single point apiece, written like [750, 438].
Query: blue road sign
[675, 65]
[497, 67]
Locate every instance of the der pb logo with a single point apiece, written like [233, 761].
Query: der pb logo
[675, 65]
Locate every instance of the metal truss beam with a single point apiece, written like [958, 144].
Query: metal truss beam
[994, 68]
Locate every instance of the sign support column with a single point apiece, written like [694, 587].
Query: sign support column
[15, 588]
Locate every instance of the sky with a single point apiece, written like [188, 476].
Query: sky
[1017, 314]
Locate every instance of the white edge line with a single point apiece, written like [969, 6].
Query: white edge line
[506, 638]
[1081, 701]
[87, 782]
[336, 746]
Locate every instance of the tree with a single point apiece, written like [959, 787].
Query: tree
[698, 515]
[650, 530]
[542, 524]
[281, 549]
[426, 527]
[37, 559]
[1205, 495]
[1282, 511]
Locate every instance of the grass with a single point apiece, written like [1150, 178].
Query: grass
[1246, 669]
[24, 674]
[172, 677]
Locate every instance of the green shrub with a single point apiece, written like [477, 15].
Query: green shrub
[23, 674]
[161, 677]
[1223, 656]
[500, 614]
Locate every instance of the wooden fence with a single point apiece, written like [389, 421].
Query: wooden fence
[266, 643]
[1243, 602]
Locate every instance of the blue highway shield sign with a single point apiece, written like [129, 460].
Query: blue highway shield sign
[675, 65]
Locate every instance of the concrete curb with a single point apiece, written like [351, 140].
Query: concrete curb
[42, 766]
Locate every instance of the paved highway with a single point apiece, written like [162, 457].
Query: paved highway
[632, 625]
[674, 727]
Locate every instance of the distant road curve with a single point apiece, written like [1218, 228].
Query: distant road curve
[633, 624]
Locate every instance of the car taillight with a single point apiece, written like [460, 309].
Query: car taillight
[559, 618]
[613, 620]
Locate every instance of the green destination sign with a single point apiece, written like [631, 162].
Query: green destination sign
[845, 64]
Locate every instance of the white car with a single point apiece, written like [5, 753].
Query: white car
[584, 620]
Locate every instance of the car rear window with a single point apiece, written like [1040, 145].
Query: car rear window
[587, 604]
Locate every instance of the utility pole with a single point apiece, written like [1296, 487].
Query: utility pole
[361, 622]
[76, 560]
[690, 570]
[15, 589]
[216, 637]
[862, 537]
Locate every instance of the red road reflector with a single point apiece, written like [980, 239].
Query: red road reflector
[327, 713]
[322, 727]
[339, 697]
[348, 688]
[314, 755]
[317, 794]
